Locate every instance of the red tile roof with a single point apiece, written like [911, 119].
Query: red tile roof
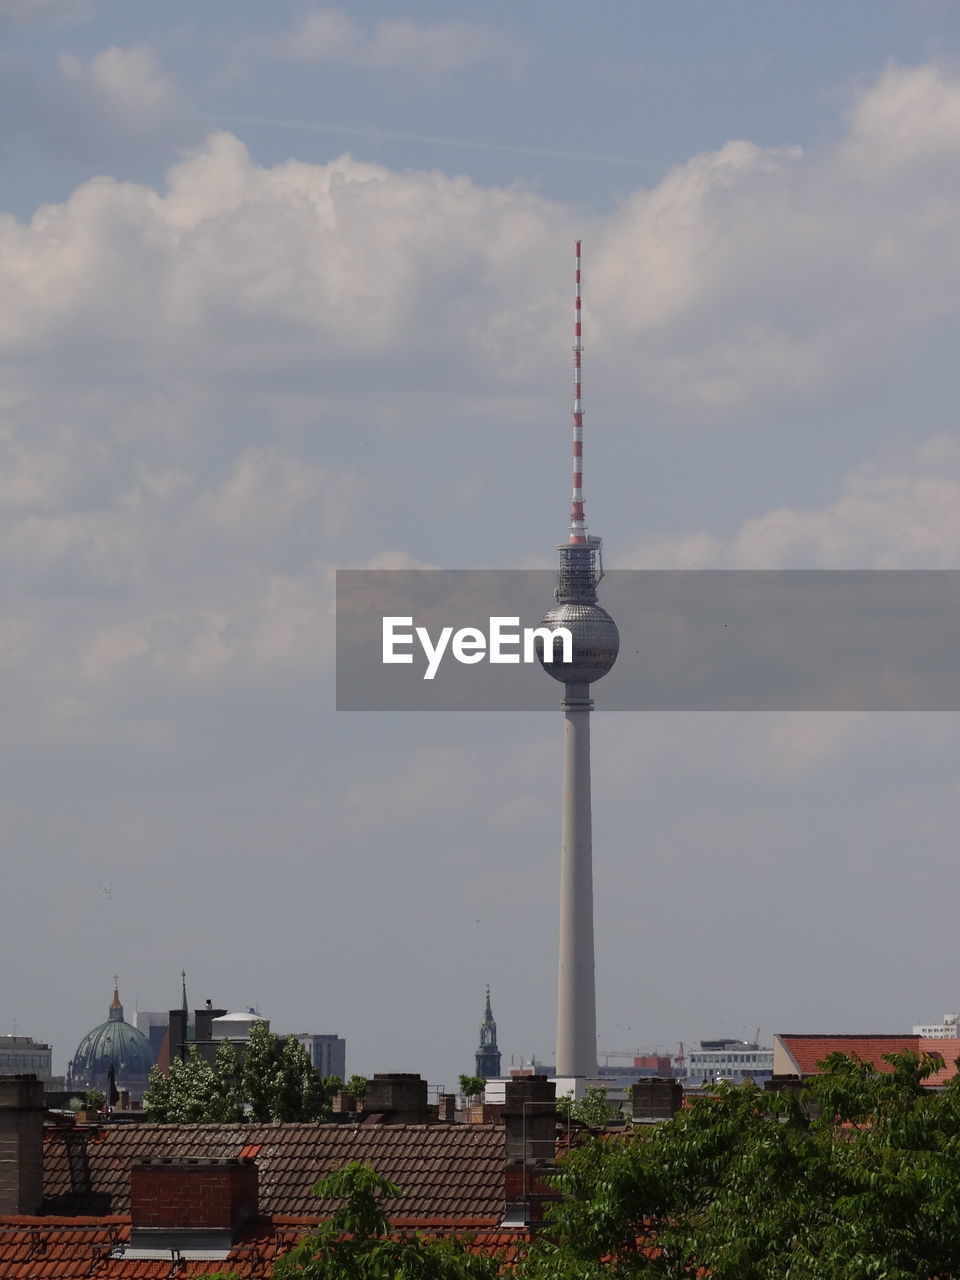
[809, 1050]
[45, 1248]
[445, 1171]
[76, 1248]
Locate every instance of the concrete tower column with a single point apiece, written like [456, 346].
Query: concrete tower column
[576, 985]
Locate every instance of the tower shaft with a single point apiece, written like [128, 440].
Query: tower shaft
[576, 984]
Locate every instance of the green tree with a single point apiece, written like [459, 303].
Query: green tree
[858, 1176]
[260, 1071]
[355, 1242]
[594, 1109]
[273, 1079]
[185, 1095]
[472, 1086]
[357, 1088]
[227, 1104]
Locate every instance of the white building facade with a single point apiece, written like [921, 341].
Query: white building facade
[732, 1060]
[949, 1029]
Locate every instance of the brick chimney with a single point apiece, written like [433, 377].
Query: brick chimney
[530, 1116]
[655, 1099]
[21, 1144]
[209, 1198]
[400, 1097]
[447, 1106]
[530, 1119]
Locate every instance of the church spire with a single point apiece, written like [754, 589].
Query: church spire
[488, 1055]
[116, 1008]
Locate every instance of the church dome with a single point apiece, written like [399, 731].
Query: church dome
[113, 1043]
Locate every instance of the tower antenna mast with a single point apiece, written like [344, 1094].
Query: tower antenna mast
[578, 525]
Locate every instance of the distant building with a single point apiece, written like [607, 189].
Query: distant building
[948, 1029]
[115, 1044]
[154, 1026]
[733, 1060]
[328, 1053]
[207, 1029]
[23, 1054]
[487, 1057]
[531, 1067]
[236, 1026]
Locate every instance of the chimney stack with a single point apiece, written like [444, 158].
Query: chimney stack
[530, 1118]
[21, 1144]
[655, 1099]
[400, 1097]
[200, 1199]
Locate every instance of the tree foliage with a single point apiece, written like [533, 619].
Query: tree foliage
[273, 1079]
[356, 1086]
[355, 1242]
[859, 1176]
[472, 1086]
[594, 1109]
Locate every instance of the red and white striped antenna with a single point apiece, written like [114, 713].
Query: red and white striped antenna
[578, 526]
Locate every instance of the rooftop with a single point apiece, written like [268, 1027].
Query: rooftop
[56, 1248]
[804, 1052]
[449, 1172]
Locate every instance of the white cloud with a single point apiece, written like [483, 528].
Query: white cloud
[903, 513]
[750, 275]
[130, 82]
[400, 44]
[909, 118]
[287, 264]
[744, 278]
[100, 109]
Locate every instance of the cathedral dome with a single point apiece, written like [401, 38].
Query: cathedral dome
[113, 1043]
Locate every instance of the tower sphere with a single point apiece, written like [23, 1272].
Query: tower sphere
[596, 642]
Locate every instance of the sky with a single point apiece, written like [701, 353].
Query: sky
[286, 289]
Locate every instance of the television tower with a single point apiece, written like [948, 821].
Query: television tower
[596, 643]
